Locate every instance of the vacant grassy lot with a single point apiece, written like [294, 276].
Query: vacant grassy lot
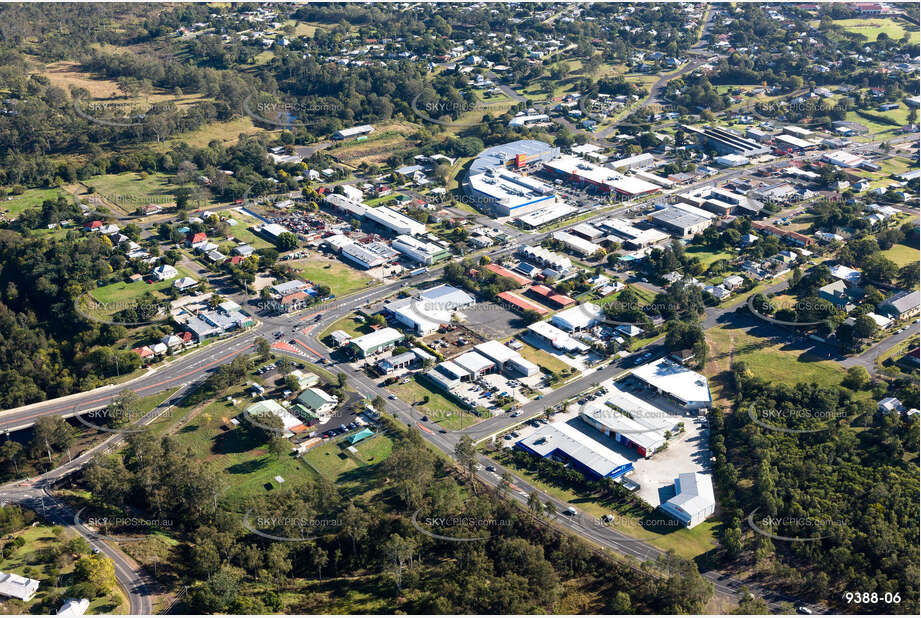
[242, 232]
[122, 292]
[246, 467]
[438, 408]
[353, 325]
[13, 205]
[340, 278]
[543, 359]
[871, 28]
[331, 460]
[131, 190]
[706, 256]
[767, 359]
[902, 254]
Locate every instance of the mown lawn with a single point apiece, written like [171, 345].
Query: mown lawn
[13, 205]
[439, 408]
[122, 292]
[871, 28]
[242, 232]
[902, 254]
[340, 278]
[765, 358]
[543, 359]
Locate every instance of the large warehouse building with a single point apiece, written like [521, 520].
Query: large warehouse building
[562, 441]
[682, 220]
[574, 169]
[506, 193]
[688, 388]
[725, 142]
[497, 182]
[694, 500]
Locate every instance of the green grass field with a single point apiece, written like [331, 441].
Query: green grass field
[902, 254]
[131, 190]
[439, 408]
[543, 359]
[13, 205]
[241, 230]
[247, 469]
[122, 292]
[350, 324]
[706, 256]
[340, 278]
[871, 28]
[765, 358]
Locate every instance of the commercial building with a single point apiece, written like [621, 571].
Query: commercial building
[901, 306]
[474, 363]
[373, 343]
[17, 586]
[636, 432]
[693, 501]
[507, 359]
[317, 401]
[504, 272]
[663, 182]
[447, 375]
[527, 121]
[688, 388]
[720, 202]
[632, 237]
[550, 334]
[794, 144]
[578, 318]
[368, 255]
[547, 295]
[587, 231]
[636, 162]
[345, 206]
[420, 251]
[518, 303]
[546, 214]
[291, 423]
[843, 158]
[565, 443]
[581, 246]
[574, 169]
[507, 193]
[430, 310]
[363, 129]
[801, 240]
[727, 142]
[546, 257]
[395, 222]
[731, 160]
[681, 221]
[517, 155]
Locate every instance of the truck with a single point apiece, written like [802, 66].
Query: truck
[418, 271]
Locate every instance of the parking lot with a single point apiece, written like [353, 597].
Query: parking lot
[491, 321]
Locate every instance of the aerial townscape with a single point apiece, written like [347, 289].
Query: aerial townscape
[460, 308]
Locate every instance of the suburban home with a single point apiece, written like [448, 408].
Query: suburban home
[164, 272]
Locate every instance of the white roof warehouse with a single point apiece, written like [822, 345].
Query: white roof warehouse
[687, 387]
[589, 456]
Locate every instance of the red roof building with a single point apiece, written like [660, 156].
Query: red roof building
[546, 294]
[519, 303]
[505, 272]
[144, 352]
[197, 237]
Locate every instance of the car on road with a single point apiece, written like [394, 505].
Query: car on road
[490, 468]
[516, 414]
[442, 431]
[391, 396]
[802, 609]
[507, 437]
[571, 512]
